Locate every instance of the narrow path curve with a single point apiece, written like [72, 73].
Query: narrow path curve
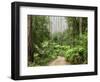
[59, 61]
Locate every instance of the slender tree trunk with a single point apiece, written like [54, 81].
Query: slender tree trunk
[30, 55]
[50, 27]
[80, 26]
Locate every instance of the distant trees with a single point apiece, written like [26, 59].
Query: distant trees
[76, 27]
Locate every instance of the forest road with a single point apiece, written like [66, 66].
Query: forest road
[59, 61]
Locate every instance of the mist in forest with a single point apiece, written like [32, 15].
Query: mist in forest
[58, 24]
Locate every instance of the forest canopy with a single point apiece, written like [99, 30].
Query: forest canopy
[54, 37]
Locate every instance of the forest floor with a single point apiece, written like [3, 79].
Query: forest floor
[59, 61]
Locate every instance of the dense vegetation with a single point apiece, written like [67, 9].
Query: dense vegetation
[44, 46]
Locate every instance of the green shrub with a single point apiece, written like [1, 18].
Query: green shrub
[76, 55]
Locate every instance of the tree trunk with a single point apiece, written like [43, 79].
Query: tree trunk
[30, 54]
[80, 26]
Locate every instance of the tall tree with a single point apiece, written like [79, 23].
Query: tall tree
[80, 26]
[30, 56]
[37, 33]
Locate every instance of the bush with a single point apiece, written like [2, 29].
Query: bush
[76, 55]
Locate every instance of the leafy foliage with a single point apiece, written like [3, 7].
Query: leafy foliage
[70, 44]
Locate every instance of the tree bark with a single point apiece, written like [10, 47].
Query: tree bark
[80, 26]
[30, 55]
